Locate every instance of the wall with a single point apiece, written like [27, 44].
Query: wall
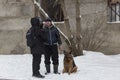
[14, 21]
[113, 40]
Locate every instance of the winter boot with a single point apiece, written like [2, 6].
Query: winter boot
[55, 68]
[47, 69]
[38, 76]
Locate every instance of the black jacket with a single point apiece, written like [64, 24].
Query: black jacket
[52, 36]
[38, 48]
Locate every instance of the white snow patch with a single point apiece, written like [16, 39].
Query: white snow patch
[91, 66]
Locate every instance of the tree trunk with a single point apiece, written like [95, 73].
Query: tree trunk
[76, 46]
[66, 19]
[78, 30]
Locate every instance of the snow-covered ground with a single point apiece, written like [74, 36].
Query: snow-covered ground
[91, 66]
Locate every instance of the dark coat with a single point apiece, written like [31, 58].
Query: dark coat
[38, 48]
[52, 36]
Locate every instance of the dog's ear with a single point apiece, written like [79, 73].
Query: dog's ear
[64, 52]
[70, 52]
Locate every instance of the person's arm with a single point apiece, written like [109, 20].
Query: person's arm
[58, 37]
[59, 40]
[40, 32]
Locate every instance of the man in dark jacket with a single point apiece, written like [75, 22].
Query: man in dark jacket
[38, 49]
[52, 41]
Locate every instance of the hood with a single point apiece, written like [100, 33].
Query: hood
[35, 21]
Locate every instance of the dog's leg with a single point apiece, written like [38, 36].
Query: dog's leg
[64, 70]
[69, 71]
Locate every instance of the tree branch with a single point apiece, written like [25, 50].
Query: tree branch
[41, 11]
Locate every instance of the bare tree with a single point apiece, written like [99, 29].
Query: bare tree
[94, 37]
[74, 41]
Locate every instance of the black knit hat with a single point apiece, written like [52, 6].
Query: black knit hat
[48, 19]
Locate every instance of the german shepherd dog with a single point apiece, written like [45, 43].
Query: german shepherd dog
[69, 64]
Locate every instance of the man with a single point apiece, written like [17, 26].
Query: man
[38, 48]
[52, 41]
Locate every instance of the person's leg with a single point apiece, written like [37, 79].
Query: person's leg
[36, 65]
[55, 59]
[47, 59]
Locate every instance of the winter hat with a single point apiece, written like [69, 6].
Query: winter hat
[48, 19]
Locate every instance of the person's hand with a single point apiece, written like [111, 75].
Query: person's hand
[43, 23]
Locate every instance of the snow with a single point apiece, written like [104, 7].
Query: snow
[91, 66]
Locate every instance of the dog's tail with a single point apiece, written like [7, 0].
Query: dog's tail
[74, 67]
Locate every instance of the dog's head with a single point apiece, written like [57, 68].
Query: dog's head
[68, 55]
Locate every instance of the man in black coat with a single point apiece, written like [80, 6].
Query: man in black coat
[38, 49]
[52, 41]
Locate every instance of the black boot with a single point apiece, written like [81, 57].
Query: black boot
[38, 76]
[55, 68]
[47, 69]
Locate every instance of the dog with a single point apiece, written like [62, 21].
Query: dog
[69, 64]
